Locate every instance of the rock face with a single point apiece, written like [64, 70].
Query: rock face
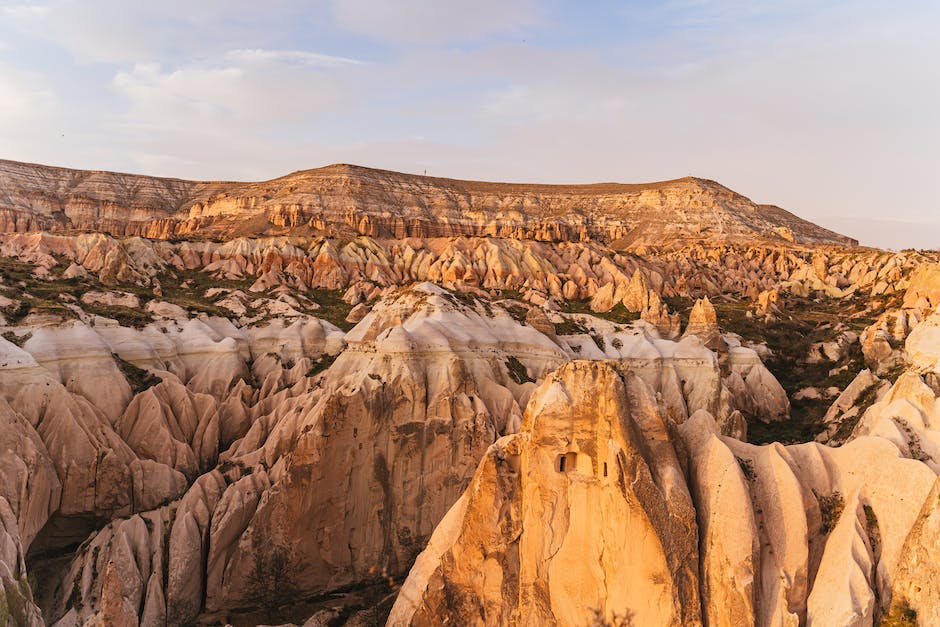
[703, 322]
[924, 288]
[583, 513]
[731, 533]
[346, 200]
[821, 532]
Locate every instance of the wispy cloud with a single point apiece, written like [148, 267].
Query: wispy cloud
[260, 55]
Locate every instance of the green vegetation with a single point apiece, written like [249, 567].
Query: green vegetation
[865, 400]
[326, 360]
[138, 378]
[790, 337]
[15, 313]
[333, 308]
[48, 295]
[801, 427]
[517, 370]
[913, 441]
[510, 294]
[14, 603]
[891, 374]
[569, 326]
[900, 616]
[747, 467]
[617, 315]
[19, 340]
[39, 296]
[517, 312]
[192, 296]
[125, 316]
[830, 509]
[682, 306]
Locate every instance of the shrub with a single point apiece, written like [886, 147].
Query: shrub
[517, 371]
[747, 467]
[900, 615]
[19, 340]
[830, 509]
[325, 361]
[138, 378]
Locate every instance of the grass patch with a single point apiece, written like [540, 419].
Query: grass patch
[803, 426]
[747, 467]
[830, 510]
[790, 337]
[333, 308]
[19, 340]
[326, 360]
[138, 378]
[517, 312]
[44, 295]
[569, 326]
[618, 314]
[125, 316]
[192, 297]
[517, 371]
[900, 615]
[680, 305]
[14, 314]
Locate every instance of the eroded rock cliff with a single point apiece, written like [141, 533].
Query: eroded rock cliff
[260, 402]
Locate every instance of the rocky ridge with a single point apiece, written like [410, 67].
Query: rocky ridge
[348, 201]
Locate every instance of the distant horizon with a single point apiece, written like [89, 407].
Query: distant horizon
[894, 234]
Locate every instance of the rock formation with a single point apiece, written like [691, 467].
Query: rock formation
[346, 201]
[778, 535]
[261, 402]
[703, 323]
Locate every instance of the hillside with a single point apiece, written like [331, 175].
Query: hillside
[347, 200]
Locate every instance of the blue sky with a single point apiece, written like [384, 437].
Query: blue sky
[827, 108]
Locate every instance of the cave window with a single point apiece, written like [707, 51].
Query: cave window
[573, 462]
[605, 469]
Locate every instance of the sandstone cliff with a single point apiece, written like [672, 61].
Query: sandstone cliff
[346, 201]
[720, 532]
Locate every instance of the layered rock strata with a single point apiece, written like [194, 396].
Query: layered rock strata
[347, 201]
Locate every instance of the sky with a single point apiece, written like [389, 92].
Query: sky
[830, 109]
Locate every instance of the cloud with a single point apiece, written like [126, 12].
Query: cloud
[266, 89]
[259, 55]
[121, 32]
[427, 22]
